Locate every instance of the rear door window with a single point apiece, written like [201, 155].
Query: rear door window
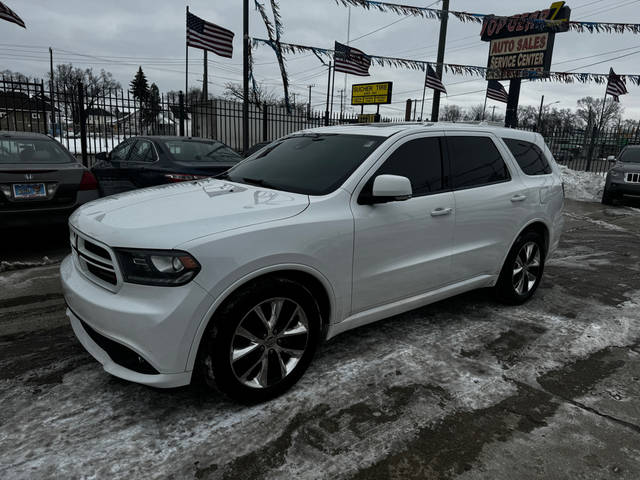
[143, 151]
[419, 160]
[121, 152]
[529, 157]
[475, 161]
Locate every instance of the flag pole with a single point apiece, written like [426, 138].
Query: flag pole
[485, 103]
[186, 63]
[604, 103]
[424, 91]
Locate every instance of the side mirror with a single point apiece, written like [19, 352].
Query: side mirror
[103, 156]
[388, 188]
[611, 158]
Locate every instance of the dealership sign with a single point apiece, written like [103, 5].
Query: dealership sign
[371, 93]
[520, 57]
[521, 46]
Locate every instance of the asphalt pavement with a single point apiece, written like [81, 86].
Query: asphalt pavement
[465, 388]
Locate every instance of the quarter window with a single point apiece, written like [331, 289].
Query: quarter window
[420, 161]
[475, 161]
[529, 157]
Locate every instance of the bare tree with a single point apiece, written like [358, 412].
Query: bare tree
[452, 113]
[590, 112]
[474, 112]
[258, 95]
[15, 76]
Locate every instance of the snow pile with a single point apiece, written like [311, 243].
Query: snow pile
[7, 266]
[586, 186]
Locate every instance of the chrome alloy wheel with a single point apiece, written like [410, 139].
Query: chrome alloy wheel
[269, 342]
[526, 269]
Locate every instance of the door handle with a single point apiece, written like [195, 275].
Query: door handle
[518, 198]
[439, 212]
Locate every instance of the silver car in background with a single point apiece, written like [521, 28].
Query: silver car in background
[40, 181]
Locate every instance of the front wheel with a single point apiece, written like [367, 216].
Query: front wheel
[522, 270]
[607, 198]
[261, 341]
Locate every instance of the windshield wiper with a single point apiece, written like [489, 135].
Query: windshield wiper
[259, 182]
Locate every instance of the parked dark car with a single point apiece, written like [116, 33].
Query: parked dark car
[40, 181]
[140, 162]
[624, 178]
[255, 148]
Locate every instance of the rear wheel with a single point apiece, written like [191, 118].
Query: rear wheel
[522, 270]
[261, 341]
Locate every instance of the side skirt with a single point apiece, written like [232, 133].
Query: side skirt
[410, 303]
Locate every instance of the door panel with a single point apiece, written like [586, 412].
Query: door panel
[402, 248]
[112, 175]
[491, 202]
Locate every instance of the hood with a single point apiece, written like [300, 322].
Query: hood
[627, 167]
[169, 215]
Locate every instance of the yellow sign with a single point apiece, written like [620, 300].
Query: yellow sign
[371, 93]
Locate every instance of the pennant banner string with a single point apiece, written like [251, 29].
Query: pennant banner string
[452, 68]
[434, 13]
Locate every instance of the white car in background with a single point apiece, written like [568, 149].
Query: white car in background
[237, 280]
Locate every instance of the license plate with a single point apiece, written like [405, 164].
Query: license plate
[29, 190]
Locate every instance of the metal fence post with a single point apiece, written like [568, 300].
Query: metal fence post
[44, 111]
[83, 125]
[181, 112]
[265, 122]
[594, 134]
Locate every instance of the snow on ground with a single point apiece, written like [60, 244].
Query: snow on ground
[585, 186]
[6, 266]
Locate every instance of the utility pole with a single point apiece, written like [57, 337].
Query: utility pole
[53, 108]
[435, 109]
[309, 104]
[326, 112]
[493, 113]
[341, 102]
[245, 75]
[205, 79]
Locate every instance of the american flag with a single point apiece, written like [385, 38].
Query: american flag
[10, 16]
[205, 35]
[495, 91]
[351, 60]
[615, 86]
[433, 81]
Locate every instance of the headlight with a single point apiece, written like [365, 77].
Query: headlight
[168, 268]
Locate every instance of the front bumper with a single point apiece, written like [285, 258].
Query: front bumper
[620, 187]
[158, 324]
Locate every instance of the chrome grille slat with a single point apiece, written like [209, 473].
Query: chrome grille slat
[83, 249]
[632, 177]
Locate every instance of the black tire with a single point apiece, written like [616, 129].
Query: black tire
[507, 287]
[607, 198]
[214, 364]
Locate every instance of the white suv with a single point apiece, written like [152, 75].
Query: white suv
[236, 280]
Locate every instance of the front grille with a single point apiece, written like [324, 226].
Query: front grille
[633, 177]
[97, 262]
[123, 356]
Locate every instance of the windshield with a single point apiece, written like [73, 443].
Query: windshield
[194, 151]
[313, 164]
[32, 150]
[630, 155]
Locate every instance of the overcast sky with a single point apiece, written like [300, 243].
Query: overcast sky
[119, 35]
